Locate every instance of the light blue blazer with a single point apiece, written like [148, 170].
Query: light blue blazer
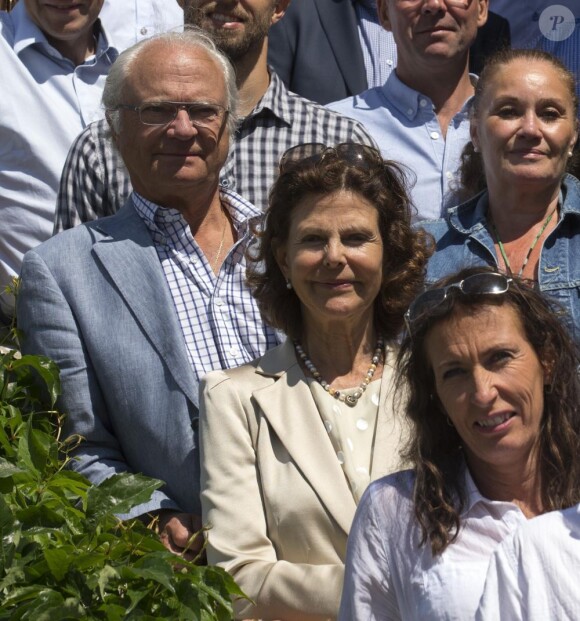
[95, 300]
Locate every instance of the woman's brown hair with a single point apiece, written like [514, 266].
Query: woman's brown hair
[435, 446]
[383, 184]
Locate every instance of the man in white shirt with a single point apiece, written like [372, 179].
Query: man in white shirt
[53, 60]
[130, 21]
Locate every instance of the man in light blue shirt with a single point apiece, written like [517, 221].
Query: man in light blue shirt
[53, 64]
[420, 116]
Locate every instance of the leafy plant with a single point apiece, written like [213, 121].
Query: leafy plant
[64, 553]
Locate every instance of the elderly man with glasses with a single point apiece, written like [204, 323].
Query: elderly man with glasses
[137, 307]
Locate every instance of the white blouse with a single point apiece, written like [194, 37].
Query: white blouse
[388, 576]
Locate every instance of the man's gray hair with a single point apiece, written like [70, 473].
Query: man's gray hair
[191, 37]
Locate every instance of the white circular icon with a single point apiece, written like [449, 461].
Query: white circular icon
[557, 22]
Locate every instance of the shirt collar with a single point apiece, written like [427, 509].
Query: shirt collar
[28, 34]
[275, 100]
[156, 217]
[472, 494]
[472, 214]
[408, 100]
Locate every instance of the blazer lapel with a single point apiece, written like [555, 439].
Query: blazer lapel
[128, 255]
[338, 20]
[290, 409]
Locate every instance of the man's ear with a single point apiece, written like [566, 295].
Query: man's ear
[383, 12]
[482, 11]
[280, 8]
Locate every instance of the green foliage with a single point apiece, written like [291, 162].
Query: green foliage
[64, 554]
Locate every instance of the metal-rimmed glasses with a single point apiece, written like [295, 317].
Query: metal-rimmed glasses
[312, 152]
[201, 114]
[437, 302]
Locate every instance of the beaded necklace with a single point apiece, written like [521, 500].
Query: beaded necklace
[351, 400]
[530, 250]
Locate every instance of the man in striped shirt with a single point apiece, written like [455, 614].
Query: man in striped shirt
[273, 119]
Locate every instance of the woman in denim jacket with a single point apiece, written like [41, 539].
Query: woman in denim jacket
[525, 220]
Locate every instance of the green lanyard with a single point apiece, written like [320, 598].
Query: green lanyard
[502, 249]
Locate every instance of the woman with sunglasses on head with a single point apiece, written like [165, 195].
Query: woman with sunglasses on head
[525, 220]
[493, 398]
[288, 442]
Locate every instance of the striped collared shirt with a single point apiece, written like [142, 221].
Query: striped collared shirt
[219, 318]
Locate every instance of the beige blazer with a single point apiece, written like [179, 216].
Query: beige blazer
[273, 491]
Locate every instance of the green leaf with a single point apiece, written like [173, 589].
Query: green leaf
[106, 575]
[47, 370]
[153, 567]
[8, 469]
[40, 515]
[59, 561]
[119, 494]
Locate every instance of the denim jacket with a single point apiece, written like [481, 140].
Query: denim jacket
[463, 240]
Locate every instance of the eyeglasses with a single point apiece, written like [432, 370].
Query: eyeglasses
[311, 153]
[459, 4]
[437, 302]
[164, 112]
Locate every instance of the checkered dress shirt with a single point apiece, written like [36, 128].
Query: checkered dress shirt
[95, 183]
[219, 318]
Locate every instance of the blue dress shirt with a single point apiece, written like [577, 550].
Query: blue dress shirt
[45, 103]
[404, 124]
[377, 44]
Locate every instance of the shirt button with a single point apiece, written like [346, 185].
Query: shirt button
[234, 352]
[410, 111]
[434, 135]
[143, 30]
[422, 102]
[389, 62]
[449, 174]
[218, 302]
[225, 183]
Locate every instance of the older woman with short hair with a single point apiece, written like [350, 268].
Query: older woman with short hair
[290, 442]
[493, 397]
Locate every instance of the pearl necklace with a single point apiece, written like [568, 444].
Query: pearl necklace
[351, 400]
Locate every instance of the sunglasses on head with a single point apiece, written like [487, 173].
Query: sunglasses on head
[311, 153]
[437, 302]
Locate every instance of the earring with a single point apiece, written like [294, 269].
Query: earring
[475, 148]
[570, 153]
[288, 285]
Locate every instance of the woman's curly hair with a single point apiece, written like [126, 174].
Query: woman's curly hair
[405, 251]
[435, 447]
[472, 168]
